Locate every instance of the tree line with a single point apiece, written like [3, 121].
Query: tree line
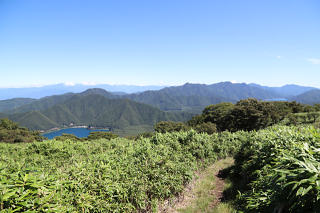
[249, 114]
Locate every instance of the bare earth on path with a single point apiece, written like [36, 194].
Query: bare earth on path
[203, 193]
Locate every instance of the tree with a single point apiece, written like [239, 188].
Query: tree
[316, 107]
[296, 107]
[66, 136]
[10, 132]
[292, 119]
[251, 114]
[195, 120]
[170, 126]
[101, 135]
[313, 116]
[207, 127]
[8, 124]
[218, 114]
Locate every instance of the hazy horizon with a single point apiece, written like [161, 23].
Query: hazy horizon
[71, 84]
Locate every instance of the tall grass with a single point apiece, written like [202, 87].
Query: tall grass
[281, 167]
[119, 175]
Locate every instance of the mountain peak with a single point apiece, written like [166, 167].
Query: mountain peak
[96, 91]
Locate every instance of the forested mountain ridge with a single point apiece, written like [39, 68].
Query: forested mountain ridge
[188, 97]
[59, 89]
[194, 97]
[49, 101]
[96, 110]
[12, 104]
[41, 104]
[286, 91]
[309, 97]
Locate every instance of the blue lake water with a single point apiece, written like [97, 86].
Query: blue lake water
[79, 132]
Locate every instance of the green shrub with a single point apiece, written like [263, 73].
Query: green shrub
[101, 135]
[170, 126]
[66, 136]
[281, 168]
[10, 132]
[117, 175]
[207, 127]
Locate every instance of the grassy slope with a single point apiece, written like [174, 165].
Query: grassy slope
[116, 176]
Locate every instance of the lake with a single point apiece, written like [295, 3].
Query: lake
[79, 132]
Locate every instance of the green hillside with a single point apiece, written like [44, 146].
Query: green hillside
[188, 97]
[310, 97]
[33, 120]
[42, 103]
[96, 110]
[12, 104]
[194, 97]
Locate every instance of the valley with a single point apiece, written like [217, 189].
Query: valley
[99, 107]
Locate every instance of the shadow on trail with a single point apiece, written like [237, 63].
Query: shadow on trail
[236, 183]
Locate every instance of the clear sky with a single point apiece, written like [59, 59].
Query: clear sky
[152, 42]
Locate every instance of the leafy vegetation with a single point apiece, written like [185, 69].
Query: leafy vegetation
[10, 132]
[66, 136]
[170, 126]
[117, 175]
[280, 168]
[251, 114]
[101, 135]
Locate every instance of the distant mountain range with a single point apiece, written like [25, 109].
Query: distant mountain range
[119, 110]
[194, 97]
[88, 109]
[310, 97]
[58, 89]
[286, 91]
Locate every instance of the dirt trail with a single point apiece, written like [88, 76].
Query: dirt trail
[189, 195]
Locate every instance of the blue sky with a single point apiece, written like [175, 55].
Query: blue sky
[152, 42]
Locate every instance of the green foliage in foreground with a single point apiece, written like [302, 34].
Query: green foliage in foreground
[10, 132]
[281, 166]
[117, 175]
[171, 126]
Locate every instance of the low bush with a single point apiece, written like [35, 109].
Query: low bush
[281, 167]
[10, 132]
[116, 175]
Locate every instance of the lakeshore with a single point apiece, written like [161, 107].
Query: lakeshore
[79, 131]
